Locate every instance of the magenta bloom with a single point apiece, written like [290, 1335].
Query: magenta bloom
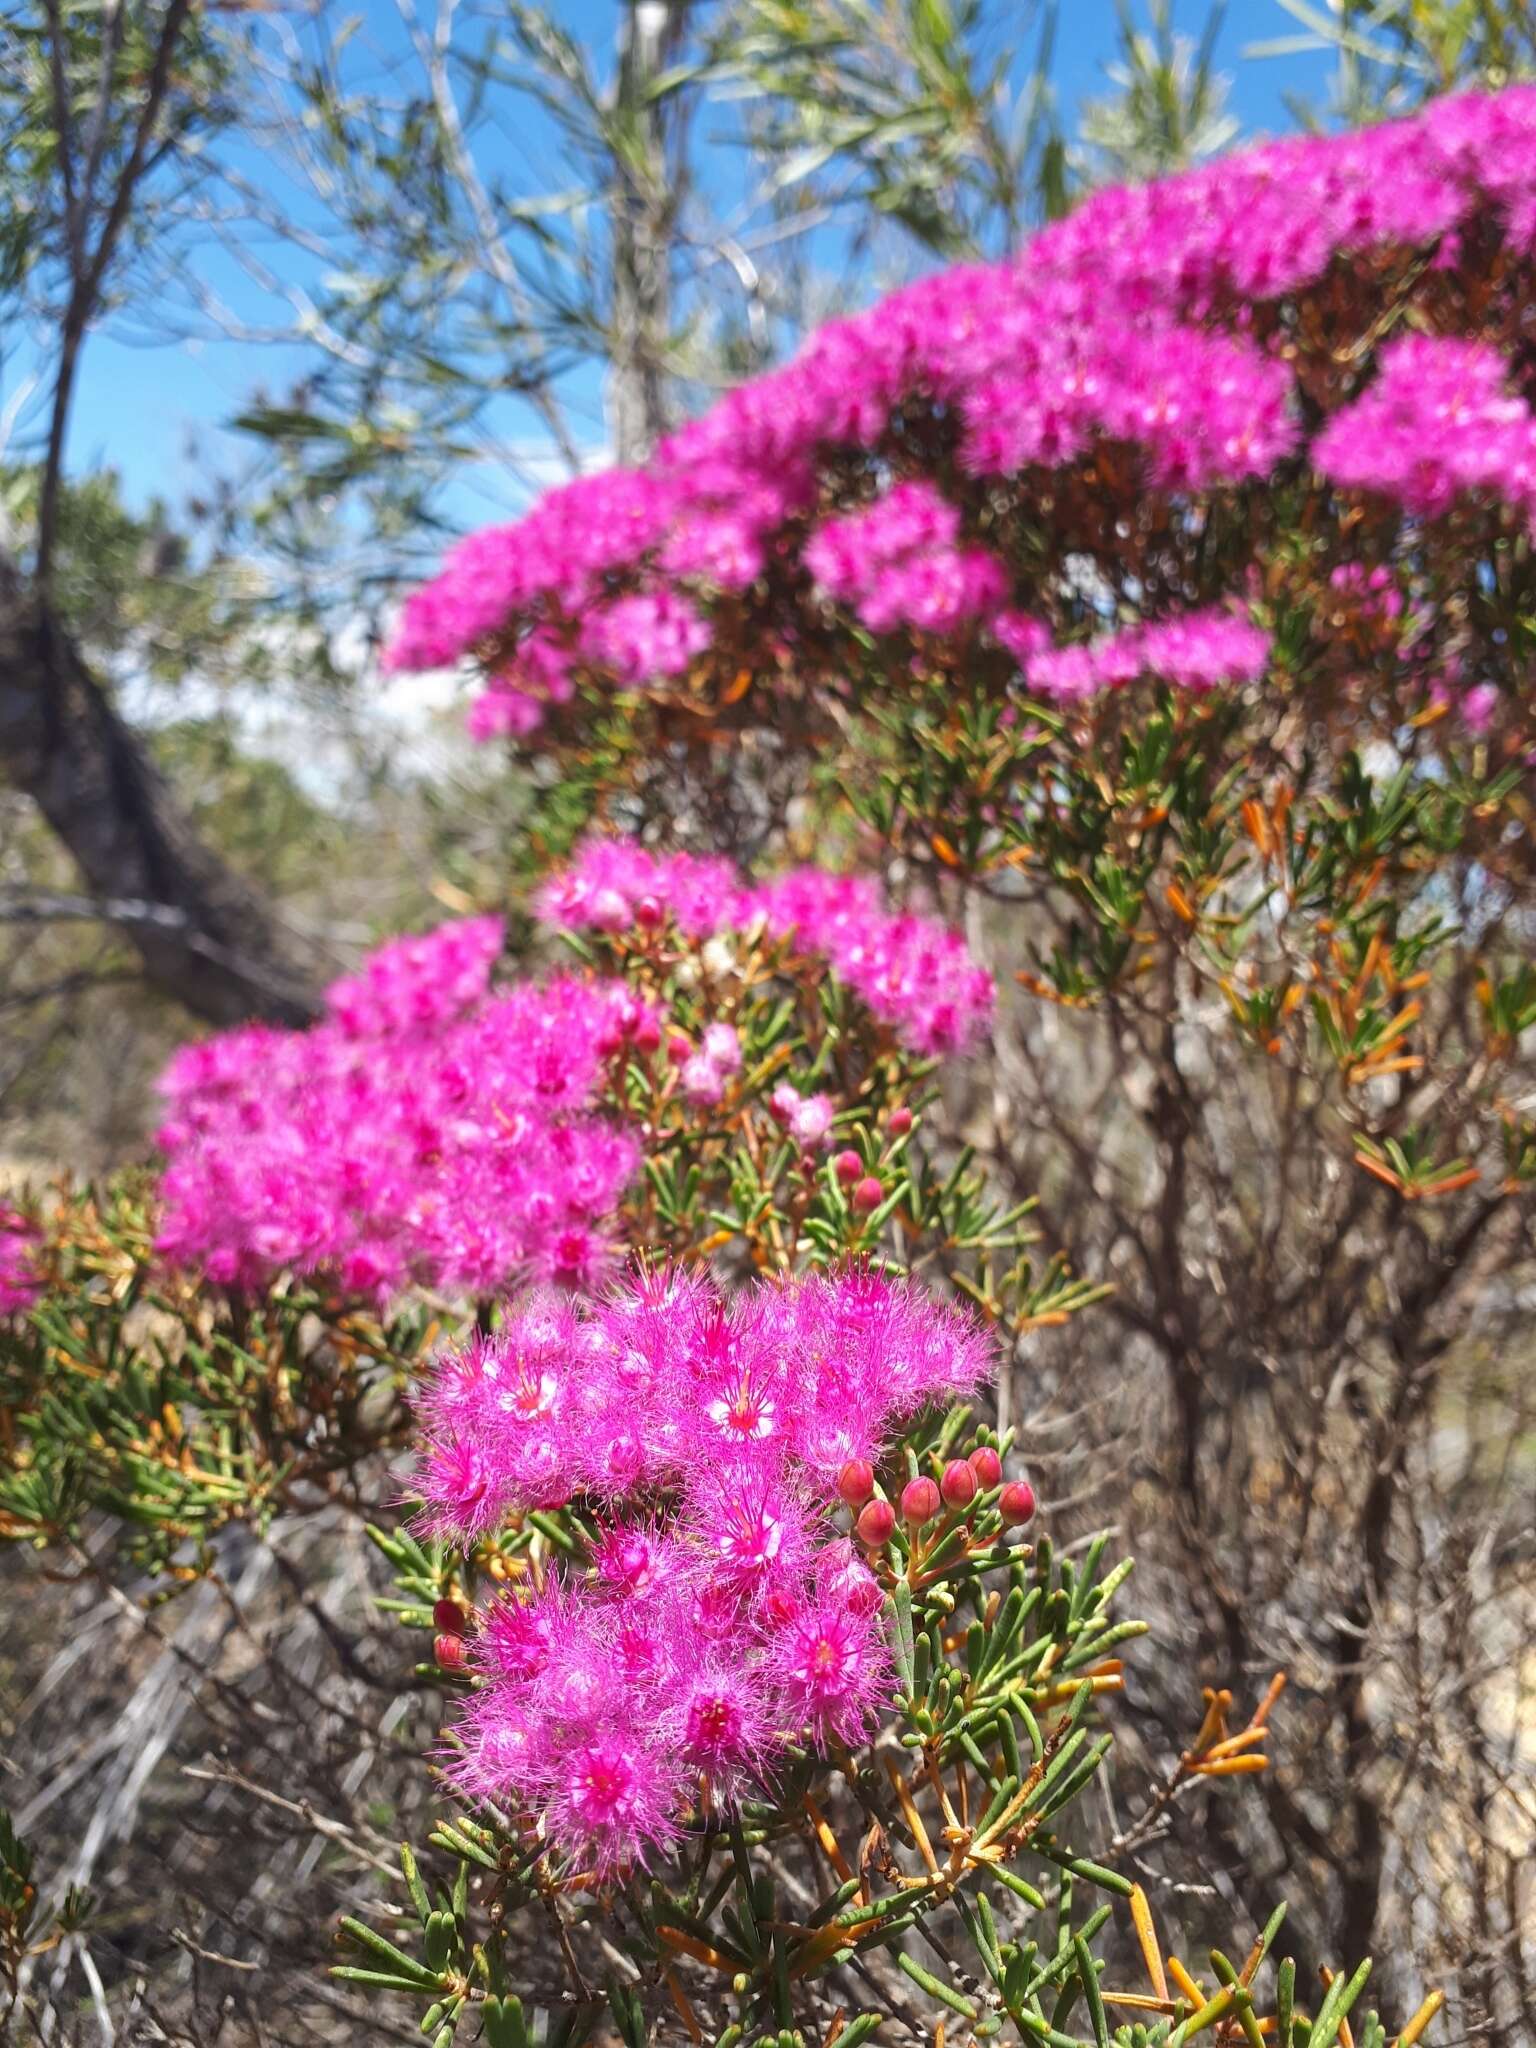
[1128, 326]
[1439, 423]
[911, 972]
[614, 1802]
[645, 637]
[20, 1243]
[1201, 651]
[720, 1616]
[430, 1129]
[833, 1665]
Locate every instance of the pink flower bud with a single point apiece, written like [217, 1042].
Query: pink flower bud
[901, 1122]
[1016, 1503]
[780, 1603]
[647, 1035]
[869, 1194]
[856, 1482]
[848, 1166]
[876, 1524]
[811, 1120]
[987, 1465]
[608, 911]
[701, 1080]
[722, 1047]
[448, 1618]
[958, 1484]
[449, 1652]
[919, 1502]
[648, 913]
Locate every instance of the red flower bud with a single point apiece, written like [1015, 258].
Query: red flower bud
[987, 1465]
[919, 1502]
[449, 1652]
[678, 1049]
[901, 1122]
[1016, 1503]
[876, 1523]
[856, 1481]
[848, 1166]
[647, 1035]
[779, 1605]
[648, 913]
[958, 1484]
[448, 1618]
[868, 1194]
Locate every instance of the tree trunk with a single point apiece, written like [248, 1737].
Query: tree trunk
[203, 934]
[646, 197]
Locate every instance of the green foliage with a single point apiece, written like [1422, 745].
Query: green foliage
[1169, 111]
[132, 1392]
[69, 114]
[972, 1841]
[1391, 55]
[24, 1932]
[900, 108]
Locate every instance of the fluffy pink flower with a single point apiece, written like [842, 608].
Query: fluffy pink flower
[20, 1280]
[1438, 423]
[834, 1669]
[429, 1129]
[810, 1121]
[614, 1800]
[720, 1618]
[911, 972]
[1198, 652]
[500, 713]
[654, 633]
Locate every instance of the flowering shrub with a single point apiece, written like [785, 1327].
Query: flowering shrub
[437, 1130]
[761, 1692]
[1161, 339]
[762, 1708]
[1163, 594]
[1168, 580]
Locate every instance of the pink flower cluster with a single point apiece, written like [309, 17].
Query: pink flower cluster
[413, 984]
[653, 633]
[1199, 652]
[1131, 323]
[515, 701]
[807, 1118]
[706, 1073]
[899, 563]
[721, 1618]
[1438, 423]
[20, 1281]
[911, 972]
[1372, 593]
[429, 1129]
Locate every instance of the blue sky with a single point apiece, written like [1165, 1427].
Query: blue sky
[156, 411]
